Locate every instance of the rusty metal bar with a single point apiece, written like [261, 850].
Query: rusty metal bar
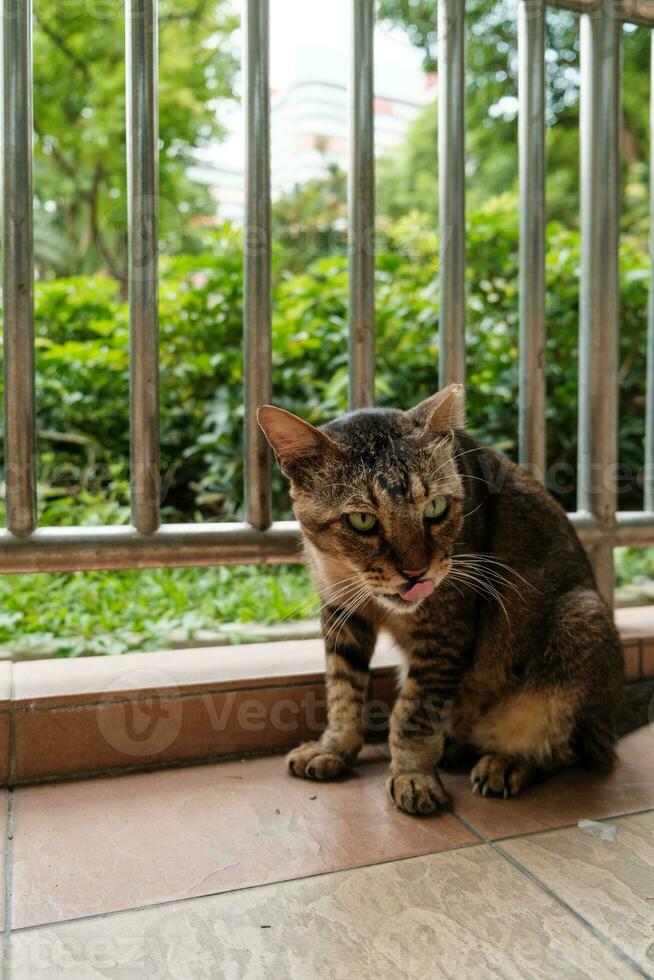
[598, 328]
[143, 221]
[257, 259]
[649, 411]
[361, 207]
[54, 549]
[451, 181]
[634, 11]
[18, 268]
[531, 138]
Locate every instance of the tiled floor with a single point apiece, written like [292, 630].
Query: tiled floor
[239, 871]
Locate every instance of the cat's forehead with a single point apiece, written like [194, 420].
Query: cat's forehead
[370, 431]
[387, 457]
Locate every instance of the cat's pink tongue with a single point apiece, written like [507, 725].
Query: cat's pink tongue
[418, 591]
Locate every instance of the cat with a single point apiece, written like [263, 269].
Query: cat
[512, 658]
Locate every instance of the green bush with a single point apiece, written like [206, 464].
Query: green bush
[82, 359]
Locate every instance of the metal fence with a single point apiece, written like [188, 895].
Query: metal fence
[24, 547]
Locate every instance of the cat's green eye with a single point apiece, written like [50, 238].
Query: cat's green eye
[436, 508]
[363, 523]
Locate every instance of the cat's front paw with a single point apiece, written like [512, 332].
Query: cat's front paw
[312, 761]
[417, 792]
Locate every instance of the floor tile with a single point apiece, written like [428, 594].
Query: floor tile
[3, 851]
[567, 797]
[465, 913]
[109, 844]
[609, 883]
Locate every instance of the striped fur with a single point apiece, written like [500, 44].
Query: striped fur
[513, 660]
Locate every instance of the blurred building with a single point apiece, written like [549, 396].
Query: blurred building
[310, 121]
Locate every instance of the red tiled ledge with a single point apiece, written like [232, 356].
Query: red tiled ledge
[70, 718]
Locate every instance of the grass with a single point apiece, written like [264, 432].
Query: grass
[112, 612]
[633, 565]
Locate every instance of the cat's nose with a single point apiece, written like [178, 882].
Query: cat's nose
[414, 572]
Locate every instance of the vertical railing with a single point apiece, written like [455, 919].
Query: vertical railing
[451, 180]
[148, 544]
[18, 267]
[257, 258]
[143, 211]
[649, 411]
[531, 140]
[361, 205]
[598, 330]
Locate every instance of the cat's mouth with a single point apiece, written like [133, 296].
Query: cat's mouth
[415, 592]
[418, 591]
[410, 596]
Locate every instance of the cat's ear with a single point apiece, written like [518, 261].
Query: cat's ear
[291, 438]
[442, 412]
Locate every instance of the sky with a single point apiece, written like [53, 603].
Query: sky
[296, 24]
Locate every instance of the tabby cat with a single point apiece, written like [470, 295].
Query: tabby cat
[511, 657]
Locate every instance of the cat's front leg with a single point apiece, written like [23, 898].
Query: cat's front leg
[417, 733]
[349, 645]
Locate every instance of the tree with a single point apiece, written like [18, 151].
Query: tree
[79, 118]
[310, 219]
[492, 91]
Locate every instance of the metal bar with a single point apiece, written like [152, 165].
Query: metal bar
[173, 545]
[598, 330]
[576, 6]
[18, 267]
[451, 181]
[634, 529]
[143, 210]
[257, 307]
[66, 549]
[361, 207]
[531, 138]
[634, 11]
[649, 411]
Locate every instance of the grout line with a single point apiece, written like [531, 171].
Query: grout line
[588, 926]
[153, 765]
[238, 888]
[481, 841]
[148, 768]
[572, 824]
[9, 842]
[604, 939]
[548, 830]
[9, 868]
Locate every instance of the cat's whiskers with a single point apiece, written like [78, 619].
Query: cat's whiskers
[344, 604]
[361, 598]
[479, 584]
[471, 512]
[471, 476]
[490, 574]
[494, 560]
[454, 458]
[481, 567]
[342, 615]
[347, 596]
[318, 597]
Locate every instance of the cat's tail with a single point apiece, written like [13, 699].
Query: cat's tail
[637, 708]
